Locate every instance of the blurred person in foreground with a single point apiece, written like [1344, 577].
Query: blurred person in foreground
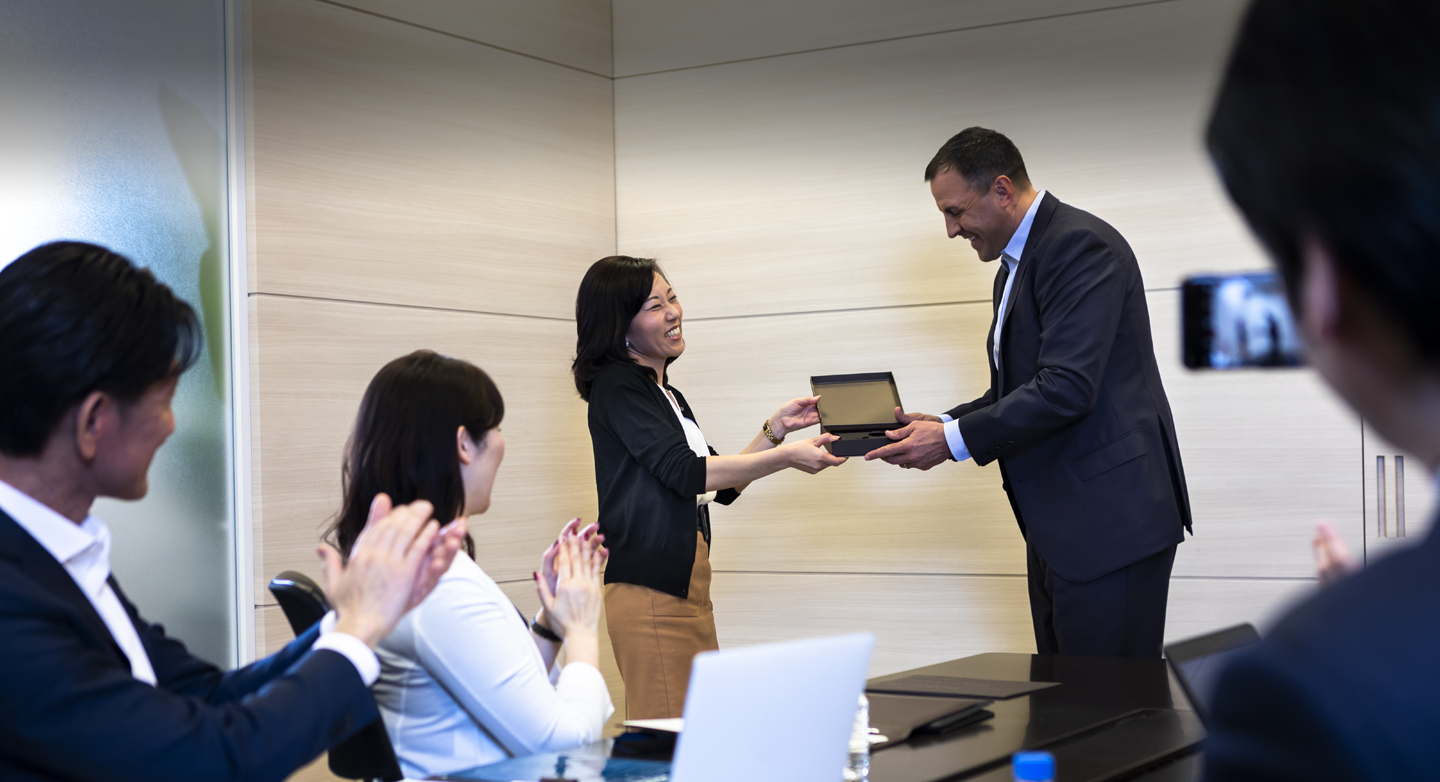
[91, 348]
[1326, 132]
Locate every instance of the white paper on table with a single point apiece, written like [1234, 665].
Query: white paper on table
[670, 725]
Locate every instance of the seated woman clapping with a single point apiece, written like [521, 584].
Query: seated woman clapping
[465, 680]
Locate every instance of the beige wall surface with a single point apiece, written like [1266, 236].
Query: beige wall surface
[771, 157]
[439, 174]
[421, 175]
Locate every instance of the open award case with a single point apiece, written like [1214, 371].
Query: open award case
[858, 409]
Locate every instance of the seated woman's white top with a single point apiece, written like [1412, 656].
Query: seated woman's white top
[463, 684]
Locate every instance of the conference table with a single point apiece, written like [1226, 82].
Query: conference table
[1109, 719]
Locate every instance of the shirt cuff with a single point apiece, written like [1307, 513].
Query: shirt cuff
[955, 440]
[351, 648]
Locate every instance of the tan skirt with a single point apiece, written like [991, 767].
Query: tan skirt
[655, 636]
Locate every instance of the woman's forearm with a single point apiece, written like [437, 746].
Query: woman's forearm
[727, 472]
[582, 646]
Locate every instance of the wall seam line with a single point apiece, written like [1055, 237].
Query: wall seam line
[476, 41]
[911, 36]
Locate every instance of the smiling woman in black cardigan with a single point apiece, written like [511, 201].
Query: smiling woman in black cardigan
[656, 474]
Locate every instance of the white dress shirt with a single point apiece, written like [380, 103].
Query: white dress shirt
[463, 684]
[695, 439]
[1010, 256]
[84, 551]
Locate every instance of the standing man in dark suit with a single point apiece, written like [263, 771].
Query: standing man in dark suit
[1075, 414]
[90, 351]
[1326, 132]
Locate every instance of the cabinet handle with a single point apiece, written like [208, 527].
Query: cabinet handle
[1399, 496]
[1381, 531]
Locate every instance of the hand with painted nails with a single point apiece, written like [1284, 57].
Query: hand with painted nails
[573, 606]
[395, 563]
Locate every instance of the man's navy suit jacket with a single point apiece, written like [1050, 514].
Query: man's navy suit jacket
[1075, 412]
[70, 709]
[1347, 687]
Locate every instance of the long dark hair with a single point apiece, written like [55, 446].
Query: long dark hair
[611, 294]
[404, 438]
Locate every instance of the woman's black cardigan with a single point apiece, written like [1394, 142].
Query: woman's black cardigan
[647, 478]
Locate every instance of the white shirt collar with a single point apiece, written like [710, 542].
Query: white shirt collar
[64, 539]
[1016, 246]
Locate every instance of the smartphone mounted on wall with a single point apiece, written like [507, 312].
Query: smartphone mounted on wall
[1236, 321]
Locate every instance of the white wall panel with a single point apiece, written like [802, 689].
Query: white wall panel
[399, 165]
[917, 620]
[656, 35]
[570, 32]
[794, 183]
[861, 516]
[1267, 454]
[318, 357]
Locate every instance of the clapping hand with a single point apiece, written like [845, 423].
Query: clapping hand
[572, 606]
[921, 443]
[395, 563]
[1332, 557]
[589, 534]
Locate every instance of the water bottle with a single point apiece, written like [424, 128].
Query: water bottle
[858, 768]
[1032, 767]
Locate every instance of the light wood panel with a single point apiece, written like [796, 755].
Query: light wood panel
[399, 165]
[1267, 454]
[570, 32]
[861, 516]
[1199, 605]
[316, 358]
[1417, 490]
[655, 35]
[917, 620]
[794, 183]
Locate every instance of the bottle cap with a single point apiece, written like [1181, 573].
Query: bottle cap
[1033, 766]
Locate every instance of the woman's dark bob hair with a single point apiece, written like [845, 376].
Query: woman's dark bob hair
[609, 298]
[404, 439]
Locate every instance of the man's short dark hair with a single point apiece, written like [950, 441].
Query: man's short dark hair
[1327, 126]
[77, 318]
[979, 155]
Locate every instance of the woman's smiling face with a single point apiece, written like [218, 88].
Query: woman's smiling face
[655, 333]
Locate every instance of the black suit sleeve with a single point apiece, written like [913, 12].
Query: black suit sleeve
[970, 407]
[1269, 725]
[67, 710]
[622, 403]
[1080, 293]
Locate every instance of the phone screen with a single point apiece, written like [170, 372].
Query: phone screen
[1238, 320]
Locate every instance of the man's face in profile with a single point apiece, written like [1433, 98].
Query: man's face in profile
[976, 217]
[134, 432]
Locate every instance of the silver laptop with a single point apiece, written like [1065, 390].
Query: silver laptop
[779, 712]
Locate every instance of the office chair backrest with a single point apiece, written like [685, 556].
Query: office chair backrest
[367, 754]
[302, 600]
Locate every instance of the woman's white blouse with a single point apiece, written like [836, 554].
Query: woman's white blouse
[693, 438]
[462, 683]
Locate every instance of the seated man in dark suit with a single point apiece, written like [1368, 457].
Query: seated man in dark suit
[90, 351]
[1326, 132]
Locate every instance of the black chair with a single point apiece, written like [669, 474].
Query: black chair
[367, 754]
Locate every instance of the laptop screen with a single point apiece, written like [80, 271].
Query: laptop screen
[1199, 662]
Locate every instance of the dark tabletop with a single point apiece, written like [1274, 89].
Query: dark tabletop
[1110, 719]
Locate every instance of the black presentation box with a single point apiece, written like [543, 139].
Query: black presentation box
[857, 408]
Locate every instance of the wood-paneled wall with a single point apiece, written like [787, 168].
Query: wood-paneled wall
[771, 156]
[439, 174]
[429, 174]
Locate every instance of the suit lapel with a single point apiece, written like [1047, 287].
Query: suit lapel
[52, 577]
[1022, 275]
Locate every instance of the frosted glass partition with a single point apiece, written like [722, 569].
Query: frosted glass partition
[112, 130]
